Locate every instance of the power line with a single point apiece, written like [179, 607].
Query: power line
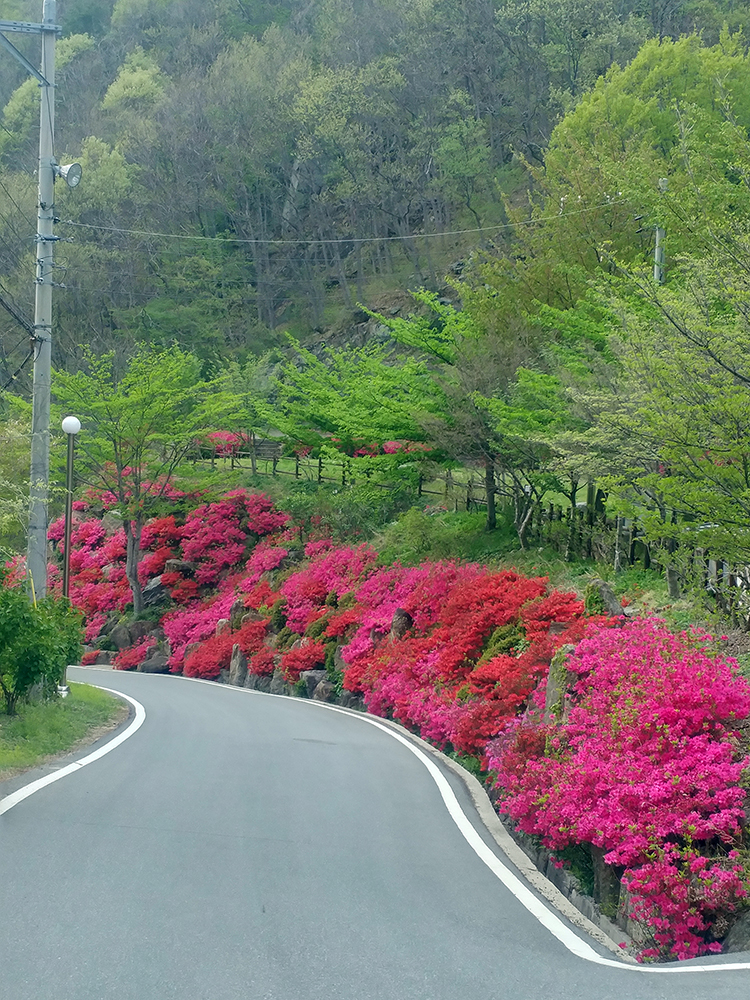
[18, 371]
[350, 239]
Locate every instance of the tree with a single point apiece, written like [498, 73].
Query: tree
[140, 420]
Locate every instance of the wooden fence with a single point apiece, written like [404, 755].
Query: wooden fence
[581, 532]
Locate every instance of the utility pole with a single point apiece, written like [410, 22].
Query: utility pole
[659, 256]
[659, 244]
[36, 560]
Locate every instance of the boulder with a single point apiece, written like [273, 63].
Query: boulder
[262, 682]
[139, 630]
[103, 658]
[278, 685]
[111, 523]
[156, 664]
[558, 681]
[223, 627]
[237, 667]
[251, 616]
[738, 939]
[190, 649]
[180, 566]
[120, 636]
[600, 599]
[235, 615]
[401, 622]
[155, 593]
[347, 699]
[324, 691]
[251, 681]
[312, 678]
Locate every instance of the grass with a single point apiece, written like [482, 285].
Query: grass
[47, 729]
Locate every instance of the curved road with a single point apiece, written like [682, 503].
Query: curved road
[259, 848]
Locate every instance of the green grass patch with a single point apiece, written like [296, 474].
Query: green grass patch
[47, 729]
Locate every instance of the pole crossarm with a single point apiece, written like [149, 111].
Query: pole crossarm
[21, 58]
[30, 27]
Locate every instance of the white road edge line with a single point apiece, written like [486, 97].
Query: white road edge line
[564, 934]
[23, 793]
[567, 937]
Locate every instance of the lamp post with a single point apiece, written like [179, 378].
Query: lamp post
[71, 426]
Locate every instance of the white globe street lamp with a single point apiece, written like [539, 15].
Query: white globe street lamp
[71, 426]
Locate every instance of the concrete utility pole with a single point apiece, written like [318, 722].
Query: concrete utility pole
[36, 559]
[659, 244]
[45, 239]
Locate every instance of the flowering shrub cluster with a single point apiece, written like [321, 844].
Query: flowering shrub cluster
[213, 656]
[217, 535]
[128, 659]
[646, 766]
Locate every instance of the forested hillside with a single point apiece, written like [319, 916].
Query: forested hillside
[257, 166]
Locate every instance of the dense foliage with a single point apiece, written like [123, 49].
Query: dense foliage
[37, 642]
[641, 758]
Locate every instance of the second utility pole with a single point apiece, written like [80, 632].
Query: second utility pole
[40, 420]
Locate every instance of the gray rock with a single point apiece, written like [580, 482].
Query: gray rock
[278, 685]
[104, 658]
[190, 649]
[180, 566]
[120, 636]
[235, 615]
[223, 627]
[401, 623]
[251, 681]
[312, 678]
[237, 667]
[348, 699]
[558, 682]
[263, 682]
[155, 593]
[324, 691]
[738, 939]
[251, 616]
[156, 664]
[139, 630]
[111, 523]
[599, 595]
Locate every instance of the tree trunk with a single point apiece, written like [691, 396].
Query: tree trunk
[489, 486]
[133, 531]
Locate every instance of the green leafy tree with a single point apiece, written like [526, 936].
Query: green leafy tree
[140, 421]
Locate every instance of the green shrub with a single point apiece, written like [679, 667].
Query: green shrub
[37, 642]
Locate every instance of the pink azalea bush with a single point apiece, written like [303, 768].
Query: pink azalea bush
[647, 767]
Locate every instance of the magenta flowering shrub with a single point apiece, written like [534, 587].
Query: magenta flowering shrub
[194, 624]
[217, 535]
[332, 570]
[646, 766]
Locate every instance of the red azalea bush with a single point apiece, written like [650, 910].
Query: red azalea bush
[214, 655]
[308, 656]
[646, 766]
[128, 659]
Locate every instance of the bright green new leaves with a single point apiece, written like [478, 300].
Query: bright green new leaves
[360, 396]
[139, 422]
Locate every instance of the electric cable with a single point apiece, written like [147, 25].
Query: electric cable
[350, 239]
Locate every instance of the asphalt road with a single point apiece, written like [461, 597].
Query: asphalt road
[259, 848]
